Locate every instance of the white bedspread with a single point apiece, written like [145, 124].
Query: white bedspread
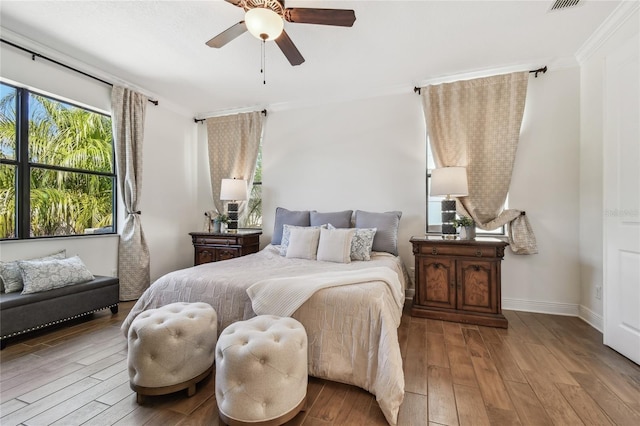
[283, 296]
[352, 329]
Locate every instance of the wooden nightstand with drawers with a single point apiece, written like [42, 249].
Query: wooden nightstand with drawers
[459, 280]
[213, 247]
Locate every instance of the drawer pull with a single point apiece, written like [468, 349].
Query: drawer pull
[434, 250]
[478, 253]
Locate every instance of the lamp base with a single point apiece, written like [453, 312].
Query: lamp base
[232, 211]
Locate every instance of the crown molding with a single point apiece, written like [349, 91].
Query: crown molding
[614, 21]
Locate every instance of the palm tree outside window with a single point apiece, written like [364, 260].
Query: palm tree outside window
[57, 173]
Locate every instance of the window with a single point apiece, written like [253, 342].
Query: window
[253, 218]
[434, 218]
[57, 173]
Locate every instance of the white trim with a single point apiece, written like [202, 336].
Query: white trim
[555, 308]
[610, 25]
[552, 64]
[593, 319]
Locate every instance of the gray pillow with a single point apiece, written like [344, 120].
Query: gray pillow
[288, 217]
[11, 275]
[386, 224]
[338, 219]
[43, 275]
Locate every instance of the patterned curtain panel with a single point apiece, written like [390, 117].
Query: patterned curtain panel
[234, 141]
[128, 110]
[476, 124]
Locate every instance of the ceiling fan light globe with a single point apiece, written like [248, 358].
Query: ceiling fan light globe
[262, 21]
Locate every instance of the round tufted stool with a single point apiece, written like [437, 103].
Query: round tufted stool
[261, 371]
[171, 348]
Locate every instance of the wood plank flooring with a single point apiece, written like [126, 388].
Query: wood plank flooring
[542, 370]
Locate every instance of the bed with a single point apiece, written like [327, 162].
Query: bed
[352, 329]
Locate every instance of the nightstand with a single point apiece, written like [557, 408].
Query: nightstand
[459, 280]
[216, 246]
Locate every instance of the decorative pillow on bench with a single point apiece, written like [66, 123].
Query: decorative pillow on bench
[43, 275]
[11, 275]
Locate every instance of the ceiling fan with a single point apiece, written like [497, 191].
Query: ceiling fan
[265, 20]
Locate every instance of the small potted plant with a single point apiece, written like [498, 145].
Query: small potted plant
[467, 227]
[218, 221]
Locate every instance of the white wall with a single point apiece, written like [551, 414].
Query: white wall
[591, 154]
[168, 201]
[370, 154]
[545, 185]
[367, 154]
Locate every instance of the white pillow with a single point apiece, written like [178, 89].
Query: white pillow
[42, 275]
[286, 234]
[303, 243]
[11, 275]
[335, 245]
[362, 243]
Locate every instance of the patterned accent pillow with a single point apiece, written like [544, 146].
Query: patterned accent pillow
[43, 275]
[10, 271]
[286, 236]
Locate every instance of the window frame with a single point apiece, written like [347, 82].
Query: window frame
[24, 168]
[500, 233]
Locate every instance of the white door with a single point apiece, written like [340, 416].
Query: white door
[622, 200]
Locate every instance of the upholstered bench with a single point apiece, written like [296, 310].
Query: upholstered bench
[261, 371]
[22, 313]
[171, 348]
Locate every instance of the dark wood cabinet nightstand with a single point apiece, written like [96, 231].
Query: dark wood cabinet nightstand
[459, 280]
[213, 247]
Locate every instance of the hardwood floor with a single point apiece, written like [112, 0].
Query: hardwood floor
[543, 369]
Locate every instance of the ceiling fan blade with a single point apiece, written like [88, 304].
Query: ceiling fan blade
[289, 49]
[234, 2]
[338, 17]
[227, 35]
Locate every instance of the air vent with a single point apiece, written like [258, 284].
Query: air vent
[564, 4]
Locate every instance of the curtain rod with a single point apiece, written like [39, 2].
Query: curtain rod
[201, 120]
[38, 55]
[542, 70]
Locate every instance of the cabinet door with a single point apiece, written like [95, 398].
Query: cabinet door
[477, 286]
[437, 283]
[226, 253]
[204, 255]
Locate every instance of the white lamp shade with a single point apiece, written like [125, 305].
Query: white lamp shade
[233, 190]
[449, 181]
[264, 23]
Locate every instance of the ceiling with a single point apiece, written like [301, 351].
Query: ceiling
[159, 46]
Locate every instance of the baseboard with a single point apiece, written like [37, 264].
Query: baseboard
[569, 309]
[594, 320]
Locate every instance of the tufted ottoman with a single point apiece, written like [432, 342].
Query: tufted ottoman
[171, 348]
[261, 371]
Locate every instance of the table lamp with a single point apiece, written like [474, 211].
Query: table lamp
[233, 190]
[449, 182]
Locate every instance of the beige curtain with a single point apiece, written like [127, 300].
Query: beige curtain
[476, 124]
[234, 141]
[128, 109]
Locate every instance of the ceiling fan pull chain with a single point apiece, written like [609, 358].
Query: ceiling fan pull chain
[263, 64]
